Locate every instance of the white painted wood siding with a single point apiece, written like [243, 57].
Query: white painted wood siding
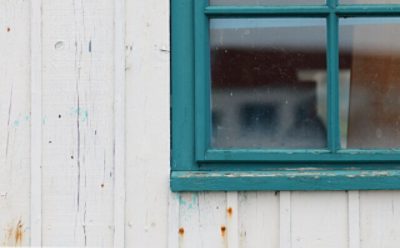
[14, 122]
[84, 145]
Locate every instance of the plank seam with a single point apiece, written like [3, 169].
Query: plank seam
[119, 123]
[36, 123]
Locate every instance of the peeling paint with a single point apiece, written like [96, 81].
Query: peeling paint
[14, 234]
[81, 113]
[19, 233]
[189, 203]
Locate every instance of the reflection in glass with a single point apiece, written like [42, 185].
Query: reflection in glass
[266, 2]
[370, 51]
[369, 1]
[268, 83]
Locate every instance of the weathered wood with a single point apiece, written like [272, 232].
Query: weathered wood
[379, 219]
[119, 123]
[319, 219]
[147, 122]
[354, 218]
[14, 123]
[258, 216]
[285, 219]
[78, 124]
[232, 220]
[36, 122]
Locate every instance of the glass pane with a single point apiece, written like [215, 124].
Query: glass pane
[266, 2]
[370, 64]
[268, 83]
[369, 1]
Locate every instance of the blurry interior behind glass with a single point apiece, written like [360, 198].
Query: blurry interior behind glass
[370, 51]
[268, 83]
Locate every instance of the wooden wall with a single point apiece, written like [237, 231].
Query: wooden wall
[84, 147]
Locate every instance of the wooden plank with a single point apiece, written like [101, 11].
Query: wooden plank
[78, 124]
[213, 220]
[379, 219]
[203, 218]
[175, 232]
[147, 121]
[232, 213]
[15, 123]
[285, 219]
[354, 219]
[36, 123]
[119, 122]
[189, 220]
[319, 219]
[258, 215]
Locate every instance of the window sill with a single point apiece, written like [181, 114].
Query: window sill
[301, 179]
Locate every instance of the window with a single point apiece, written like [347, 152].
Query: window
[285, 95]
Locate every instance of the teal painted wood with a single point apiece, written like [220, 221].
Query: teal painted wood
[182, 86]
[301, 155]
[195, 167]
[368, 10]
[333, 78]
[246, 11]
[286, 180]
[340, 10]
[332, 3]
[202, 79]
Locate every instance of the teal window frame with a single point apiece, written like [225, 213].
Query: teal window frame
[195, 166]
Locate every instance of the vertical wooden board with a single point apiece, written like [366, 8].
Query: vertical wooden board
[175, 231]
[189, 220]
[285, 219]
[319, 219]
[14, 122]
[213, 219]
[232, 219]
[119, 123]
[203, 217]
[147, 122]
[379, 219]
[258, 219]
[354, 218]
[78, 122]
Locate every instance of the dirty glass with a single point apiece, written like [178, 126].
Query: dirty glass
[268, 80]
[370, 54]
[266, 2]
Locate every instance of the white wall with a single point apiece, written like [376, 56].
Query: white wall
[63, 96]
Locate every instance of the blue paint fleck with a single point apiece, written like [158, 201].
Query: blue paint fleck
[16, 123]
[83, 114]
